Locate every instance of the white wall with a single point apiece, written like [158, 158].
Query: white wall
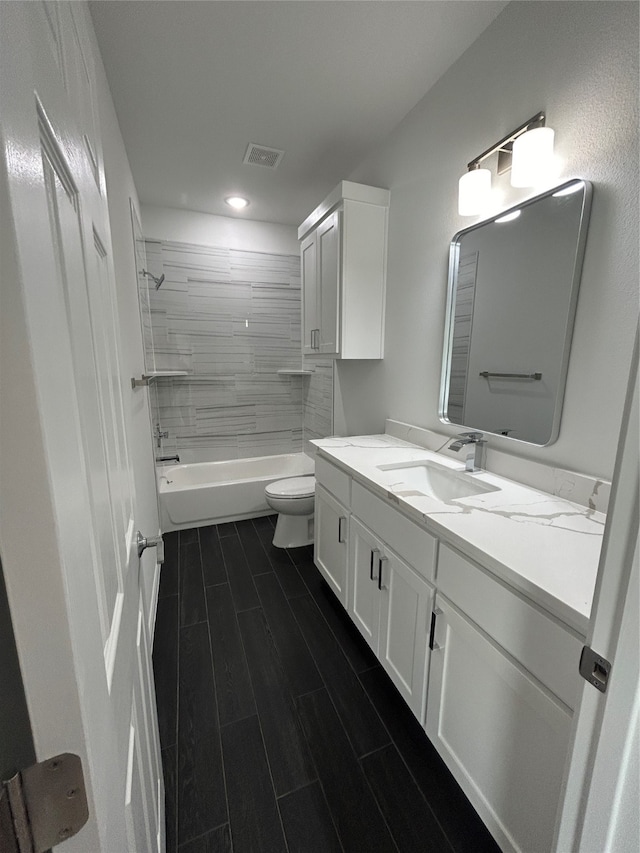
[579, 62]
[205, 229]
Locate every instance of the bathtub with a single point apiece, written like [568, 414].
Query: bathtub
[202, 493]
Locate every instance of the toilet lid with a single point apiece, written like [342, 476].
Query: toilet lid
[294, 487]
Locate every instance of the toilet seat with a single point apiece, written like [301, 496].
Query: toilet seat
[293, 488]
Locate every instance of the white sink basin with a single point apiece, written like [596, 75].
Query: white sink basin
[434, 480]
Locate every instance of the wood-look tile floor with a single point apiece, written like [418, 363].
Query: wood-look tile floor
[279, 729]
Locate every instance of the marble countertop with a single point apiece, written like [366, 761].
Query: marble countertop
[544, 546]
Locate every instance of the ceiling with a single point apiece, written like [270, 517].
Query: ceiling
[325, 80]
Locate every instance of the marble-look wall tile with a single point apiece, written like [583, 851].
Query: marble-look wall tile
[270, 443]
[232, 320]
[461, 343]
[318, 400]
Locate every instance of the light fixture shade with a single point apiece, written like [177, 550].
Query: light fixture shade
[532, 162]
[473, 191]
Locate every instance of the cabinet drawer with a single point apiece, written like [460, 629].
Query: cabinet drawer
[334, 480]
[541, 645]
[407, 539]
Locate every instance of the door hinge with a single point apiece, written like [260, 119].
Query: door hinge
[594, 669]
[43, 805]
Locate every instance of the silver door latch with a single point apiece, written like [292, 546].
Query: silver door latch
[43, 805]
[145, 542]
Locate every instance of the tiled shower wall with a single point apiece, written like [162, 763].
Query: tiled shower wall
[317, 399]
[231, 319]
[461, 345]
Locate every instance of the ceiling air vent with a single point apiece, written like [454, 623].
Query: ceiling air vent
[260, 155]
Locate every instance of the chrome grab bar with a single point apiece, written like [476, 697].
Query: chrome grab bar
[488, 375]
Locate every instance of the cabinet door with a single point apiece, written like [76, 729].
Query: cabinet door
[365, 554]
[405, 619]
[328, 248]
[310, 320]
[501, 733]
[331, 542]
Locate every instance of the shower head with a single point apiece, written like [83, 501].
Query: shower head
[154, 279]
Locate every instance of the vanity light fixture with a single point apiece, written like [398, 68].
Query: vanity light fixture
[532, 157]
[473, 191]
[532, 161]
[237, 202]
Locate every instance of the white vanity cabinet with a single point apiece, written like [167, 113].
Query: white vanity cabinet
[343, 256]
[391, 606]
[502, 731]
[490, 674]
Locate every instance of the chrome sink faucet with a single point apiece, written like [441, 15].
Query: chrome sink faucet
[475, 444]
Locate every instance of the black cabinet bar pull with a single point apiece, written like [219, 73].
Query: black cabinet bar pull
[340, 521]
[374, 551]
[381, 560]
[432, 631]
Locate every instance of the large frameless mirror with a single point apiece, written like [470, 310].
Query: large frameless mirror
[513, 288]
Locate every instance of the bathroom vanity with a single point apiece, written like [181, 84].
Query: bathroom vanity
[474, 592]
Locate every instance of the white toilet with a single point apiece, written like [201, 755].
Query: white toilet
[293, 499]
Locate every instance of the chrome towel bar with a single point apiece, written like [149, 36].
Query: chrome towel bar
[488, 375]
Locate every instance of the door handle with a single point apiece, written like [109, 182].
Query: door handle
[144, 542]
[381, 560]
[374, 551]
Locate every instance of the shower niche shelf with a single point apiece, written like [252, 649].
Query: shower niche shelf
[147, 378]
[285, 371]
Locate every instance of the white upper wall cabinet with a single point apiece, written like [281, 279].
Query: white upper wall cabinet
[343, 251]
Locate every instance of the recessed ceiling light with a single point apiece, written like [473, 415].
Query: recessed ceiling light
[236, 202]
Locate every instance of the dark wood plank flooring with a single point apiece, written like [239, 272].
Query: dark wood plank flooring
[279, 729]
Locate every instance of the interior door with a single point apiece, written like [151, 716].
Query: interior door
[602, 784]
[67, 497]
[16, 740]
